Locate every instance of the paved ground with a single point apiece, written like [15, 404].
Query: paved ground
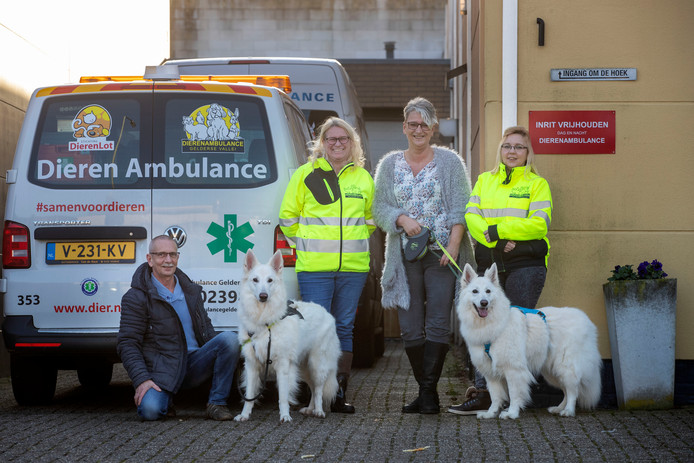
[80, 426]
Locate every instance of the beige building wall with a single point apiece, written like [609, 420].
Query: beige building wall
[609, 209]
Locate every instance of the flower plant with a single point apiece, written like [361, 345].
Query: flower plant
[646, 271]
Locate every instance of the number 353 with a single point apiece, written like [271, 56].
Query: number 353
[28, 299]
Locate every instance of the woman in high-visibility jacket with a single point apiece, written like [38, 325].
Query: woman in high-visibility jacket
[508, 216]
[326, 215]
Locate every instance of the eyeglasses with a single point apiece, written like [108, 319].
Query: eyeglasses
[516, 148]
[332, 140]
[413, 126]
[162, 255]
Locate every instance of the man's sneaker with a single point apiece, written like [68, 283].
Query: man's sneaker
[219, 412]
[477, 400]
[171, 412]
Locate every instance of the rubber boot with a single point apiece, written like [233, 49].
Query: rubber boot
[432, 365]
[344, 366]
[416, 355]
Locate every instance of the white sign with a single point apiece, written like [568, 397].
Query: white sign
[566, 75]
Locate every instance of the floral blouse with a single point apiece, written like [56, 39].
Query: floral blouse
[420, 196]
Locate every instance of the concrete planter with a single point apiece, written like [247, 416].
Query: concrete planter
[641, 325]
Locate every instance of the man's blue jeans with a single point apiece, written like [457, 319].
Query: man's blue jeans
[338, 293]
[216, 359]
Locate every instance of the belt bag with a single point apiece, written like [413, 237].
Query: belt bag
[416, 246]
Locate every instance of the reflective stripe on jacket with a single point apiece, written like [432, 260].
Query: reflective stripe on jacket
[511, 206]
[327, 217]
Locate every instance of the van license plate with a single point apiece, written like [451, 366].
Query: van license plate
[91, 252]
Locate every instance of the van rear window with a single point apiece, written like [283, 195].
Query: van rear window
[88, 142]
[213, 141]
[177, 140]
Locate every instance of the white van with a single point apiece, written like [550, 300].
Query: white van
[321, 88]
[103, 167]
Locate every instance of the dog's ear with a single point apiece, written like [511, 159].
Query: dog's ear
[250, 261]
[492, 274]
[276, 262]
[468, 275]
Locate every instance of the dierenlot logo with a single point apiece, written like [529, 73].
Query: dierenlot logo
[91, 128]
[229, 238]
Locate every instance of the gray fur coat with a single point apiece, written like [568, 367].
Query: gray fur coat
[455, 185]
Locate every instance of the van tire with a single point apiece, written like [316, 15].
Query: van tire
[33, 380]
[97, 376]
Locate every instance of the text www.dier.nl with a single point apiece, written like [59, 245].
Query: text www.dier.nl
[94, 308]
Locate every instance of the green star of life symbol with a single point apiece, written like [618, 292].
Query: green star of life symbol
[229, 238]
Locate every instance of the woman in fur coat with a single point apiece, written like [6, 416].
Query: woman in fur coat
[423, 186]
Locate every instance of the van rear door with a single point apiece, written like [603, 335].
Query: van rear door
[215, 188]
[87, 216]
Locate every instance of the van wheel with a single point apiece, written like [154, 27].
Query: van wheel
[33, 380]
[95, 376]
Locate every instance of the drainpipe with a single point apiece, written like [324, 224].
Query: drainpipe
[509, 65]
[468, 90]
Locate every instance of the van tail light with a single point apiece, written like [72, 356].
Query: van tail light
[288, 252]
[16, 252]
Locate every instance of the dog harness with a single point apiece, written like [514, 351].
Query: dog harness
[291, 310]
[525, 311]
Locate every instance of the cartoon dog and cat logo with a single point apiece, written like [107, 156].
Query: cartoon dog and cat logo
[91, 128]
[212, 128]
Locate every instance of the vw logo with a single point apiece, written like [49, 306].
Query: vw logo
[177, 234]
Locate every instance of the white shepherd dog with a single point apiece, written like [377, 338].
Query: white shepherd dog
[510, 347]
[300, 336]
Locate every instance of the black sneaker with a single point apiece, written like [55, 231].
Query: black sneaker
[478, 400]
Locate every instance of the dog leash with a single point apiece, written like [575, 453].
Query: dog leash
[291, 310]
[457, 273]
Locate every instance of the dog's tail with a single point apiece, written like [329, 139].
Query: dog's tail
[591, 382]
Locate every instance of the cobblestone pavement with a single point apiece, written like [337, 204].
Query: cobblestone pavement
[83, 426]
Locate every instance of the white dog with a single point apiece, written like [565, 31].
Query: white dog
[300, 337]
[509, 347]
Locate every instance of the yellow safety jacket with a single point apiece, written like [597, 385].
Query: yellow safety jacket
[327, 217]
[512, 207]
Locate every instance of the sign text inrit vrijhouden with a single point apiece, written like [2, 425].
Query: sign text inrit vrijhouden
[572, 132]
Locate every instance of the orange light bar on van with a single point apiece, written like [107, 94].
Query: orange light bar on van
[281, 82]
[37, 344]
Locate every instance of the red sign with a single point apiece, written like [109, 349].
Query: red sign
[572, 132]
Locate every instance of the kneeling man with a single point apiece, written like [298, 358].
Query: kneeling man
[166, 340]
